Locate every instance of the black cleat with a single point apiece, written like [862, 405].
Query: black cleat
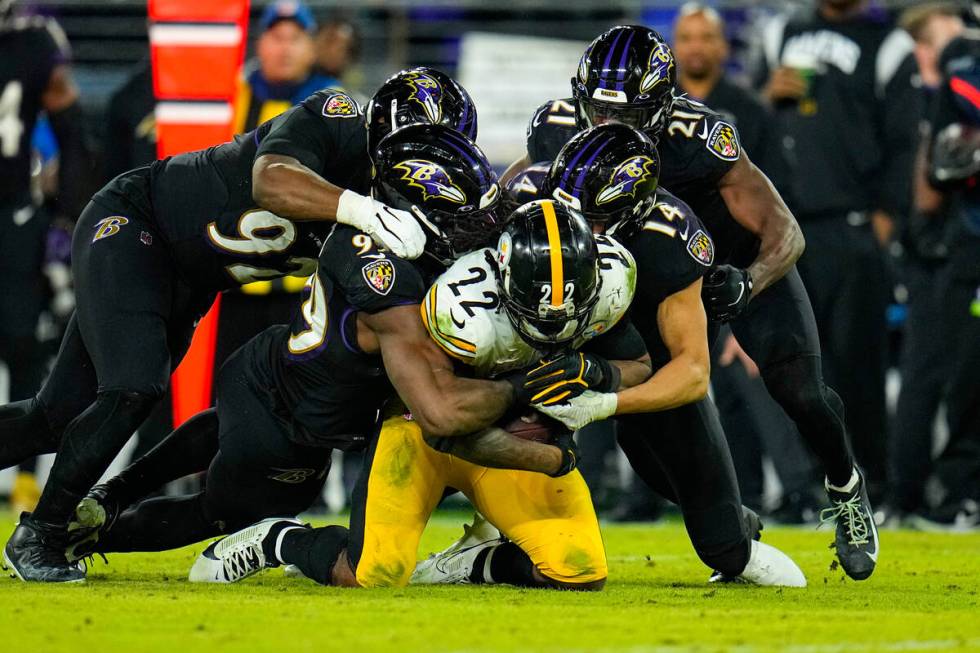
[94, 515]
[36, 553]
[857, 535]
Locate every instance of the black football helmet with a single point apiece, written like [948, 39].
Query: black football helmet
[419, 95]
[627, 75]
[609, 174]
[548, 273]
[525, 186]
[445, 180]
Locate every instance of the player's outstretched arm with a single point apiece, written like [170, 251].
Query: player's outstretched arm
[285, 186]
[684, 329]
[443, 404]
[756, 205]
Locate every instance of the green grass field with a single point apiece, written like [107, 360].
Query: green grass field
[924, 597]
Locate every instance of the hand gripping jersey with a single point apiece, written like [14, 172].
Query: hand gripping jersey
[314, 373]
[698, 147]
[463, 314]
[201, 202]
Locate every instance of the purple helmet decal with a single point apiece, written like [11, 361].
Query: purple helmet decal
[626, 177]
[659, 66]
[432, 179]
[427, 91]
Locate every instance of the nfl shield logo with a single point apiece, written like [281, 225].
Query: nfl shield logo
[380, 275]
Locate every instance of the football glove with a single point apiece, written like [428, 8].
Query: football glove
[569, 376]
[583, 410]
[569, 454]
[393, 229]
[726, 292]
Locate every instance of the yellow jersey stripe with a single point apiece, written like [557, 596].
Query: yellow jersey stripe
[456, 347]
[554, 247]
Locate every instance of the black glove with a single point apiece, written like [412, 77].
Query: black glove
[726, 292]
[568, 376]
[569, 453]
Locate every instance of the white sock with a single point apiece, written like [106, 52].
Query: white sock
[487, 577]
[851, 484]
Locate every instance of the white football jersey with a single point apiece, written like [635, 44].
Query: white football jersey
[463, 313]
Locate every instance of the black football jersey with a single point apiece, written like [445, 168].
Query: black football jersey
[30, 48]
[320, 381]
[697, 149]
[672, 250]
[202, 201]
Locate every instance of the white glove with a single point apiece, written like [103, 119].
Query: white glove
[397, 231]
[588, 407]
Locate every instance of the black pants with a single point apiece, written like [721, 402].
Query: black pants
[132, 326]
[23, 290]
[258, 472]
[756, 426]
[958, 466]
[683, 455]
[925, 369]
[844, 272]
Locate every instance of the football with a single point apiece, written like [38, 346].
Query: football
[533, 426]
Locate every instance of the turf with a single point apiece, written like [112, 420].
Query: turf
[922, 598]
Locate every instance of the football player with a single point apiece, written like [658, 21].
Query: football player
[295, 392]
[150, 252]
[609, 173]
[548, 285]
[627, 75]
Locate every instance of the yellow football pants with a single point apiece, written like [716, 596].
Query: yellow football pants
[551, 519]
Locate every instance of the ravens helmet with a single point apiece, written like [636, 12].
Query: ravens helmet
[608, 173]
[548, 273]
[445, 180]
[419, 95]
[627, 75]
[525, 186]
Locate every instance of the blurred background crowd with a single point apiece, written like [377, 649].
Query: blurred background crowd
[893, 278]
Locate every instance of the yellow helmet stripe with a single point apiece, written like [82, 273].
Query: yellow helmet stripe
[554, 247]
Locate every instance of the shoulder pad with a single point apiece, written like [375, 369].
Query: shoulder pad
[467, 336]
[370, 280]
[617, 269]
[332, 103]
[691, 121]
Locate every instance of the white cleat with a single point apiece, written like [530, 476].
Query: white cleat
[292, 571]
[239, 555]
[454, 565]
[770, 566]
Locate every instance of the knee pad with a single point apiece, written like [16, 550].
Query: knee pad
[719, 538]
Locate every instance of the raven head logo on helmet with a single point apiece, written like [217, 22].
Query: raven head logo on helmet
[432, 179]
[428, 93]
[419, 96]
[446, 181]
[626, 75]
[610, 174]
[548, 274]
